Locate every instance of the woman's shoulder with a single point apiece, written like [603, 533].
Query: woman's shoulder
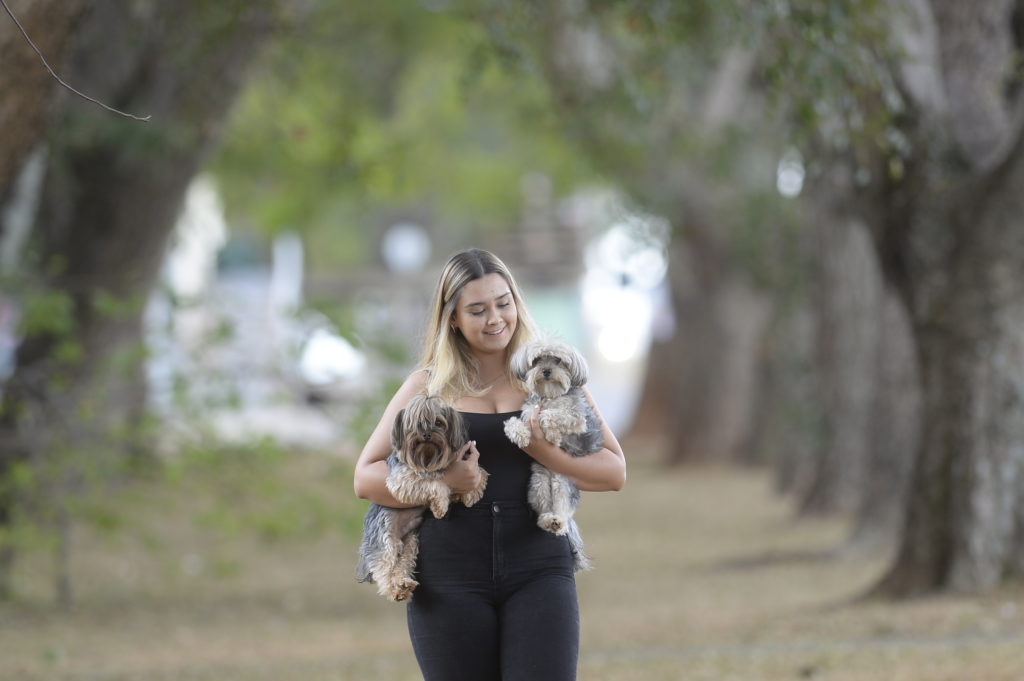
[414, 384]
[418, 378]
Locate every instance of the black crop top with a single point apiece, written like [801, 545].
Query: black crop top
[507, 464]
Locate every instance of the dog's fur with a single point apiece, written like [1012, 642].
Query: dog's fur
[425, 440]
[554, 374]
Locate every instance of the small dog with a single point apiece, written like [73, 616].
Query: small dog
[425, 439]
[555, 373]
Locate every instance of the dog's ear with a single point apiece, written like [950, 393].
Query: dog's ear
[398, 430]
[521, 360]
[579, 373]
[458, 433]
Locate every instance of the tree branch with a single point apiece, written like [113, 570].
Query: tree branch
[977, 58]
[24, 33]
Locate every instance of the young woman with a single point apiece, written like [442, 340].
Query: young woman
[497, 596]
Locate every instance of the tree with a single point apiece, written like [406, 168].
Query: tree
[947, 225]
[920, 104]
[929, 129]
[658, 96]
[366, 113]
[27, 86]
[112, 191]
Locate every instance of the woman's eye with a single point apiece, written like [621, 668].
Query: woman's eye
[477, 314]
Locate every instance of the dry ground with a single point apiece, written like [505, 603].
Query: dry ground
[701, 574]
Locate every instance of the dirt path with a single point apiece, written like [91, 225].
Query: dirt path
[700, 575]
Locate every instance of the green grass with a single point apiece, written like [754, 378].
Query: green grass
[701, 574]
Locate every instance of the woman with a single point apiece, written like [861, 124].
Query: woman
[497, 596]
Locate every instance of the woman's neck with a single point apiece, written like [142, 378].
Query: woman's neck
[491, 369]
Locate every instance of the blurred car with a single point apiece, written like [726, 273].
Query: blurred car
[327, 367]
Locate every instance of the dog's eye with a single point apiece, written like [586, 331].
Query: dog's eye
[558, 361]
[439, 423]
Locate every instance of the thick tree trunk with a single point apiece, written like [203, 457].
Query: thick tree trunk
[894, 433]
[112, 193]
[965, 522]
[849, 302]
[711, 360]
[787, 423]
[27, 88]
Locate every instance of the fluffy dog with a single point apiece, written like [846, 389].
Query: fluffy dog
[555, 373]
[425, 440]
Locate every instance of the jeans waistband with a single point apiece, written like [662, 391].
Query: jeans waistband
[494, 507]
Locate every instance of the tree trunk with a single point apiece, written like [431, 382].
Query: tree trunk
[849, 303]
[111, 196]
[952, 243]
[965, 521]
[787, 422]
[894, 433]
[27, 87]
[710, 363]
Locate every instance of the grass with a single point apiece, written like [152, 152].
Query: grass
[701, 574]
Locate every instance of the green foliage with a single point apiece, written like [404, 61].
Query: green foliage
[48, 312]
[259, 489]
[827, 64]
[376, 107]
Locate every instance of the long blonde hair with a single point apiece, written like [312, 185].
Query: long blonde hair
[451, 367]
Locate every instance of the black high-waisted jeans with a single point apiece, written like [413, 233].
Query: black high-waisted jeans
[496, 600]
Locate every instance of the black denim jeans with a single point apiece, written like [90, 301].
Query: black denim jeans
[496, 600]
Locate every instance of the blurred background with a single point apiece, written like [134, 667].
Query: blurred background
[786, 235]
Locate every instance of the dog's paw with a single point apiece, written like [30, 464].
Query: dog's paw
[517, 431]
[402, 589]
[553, 523]
[439, 507]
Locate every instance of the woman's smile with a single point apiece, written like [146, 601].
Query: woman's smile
[486, 313]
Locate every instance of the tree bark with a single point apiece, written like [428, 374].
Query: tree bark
[111, 196]
[963, 528]
[849, 302]
[951, 241]
[893, 434]
[711, 361]
[28, 89]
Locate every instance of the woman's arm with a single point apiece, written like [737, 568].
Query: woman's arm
[600, 471]
[372, 469]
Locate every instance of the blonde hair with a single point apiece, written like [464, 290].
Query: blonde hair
[450, 366]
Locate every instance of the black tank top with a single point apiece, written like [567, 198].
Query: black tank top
[507, 464]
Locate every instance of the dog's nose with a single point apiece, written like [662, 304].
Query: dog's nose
[547, 373]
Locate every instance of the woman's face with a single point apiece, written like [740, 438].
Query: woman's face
[486, 314]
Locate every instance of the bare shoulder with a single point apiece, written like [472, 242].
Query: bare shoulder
[414, 383]
[378, 446]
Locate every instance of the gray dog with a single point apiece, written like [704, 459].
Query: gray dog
[555, 373]
[425, 440]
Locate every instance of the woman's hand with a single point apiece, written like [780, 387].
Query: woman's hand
[536, 432]
[464, 475]
[599, 471]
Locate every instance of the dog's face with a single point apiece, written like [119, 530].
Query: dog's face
[428, 434]
[549, 369]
